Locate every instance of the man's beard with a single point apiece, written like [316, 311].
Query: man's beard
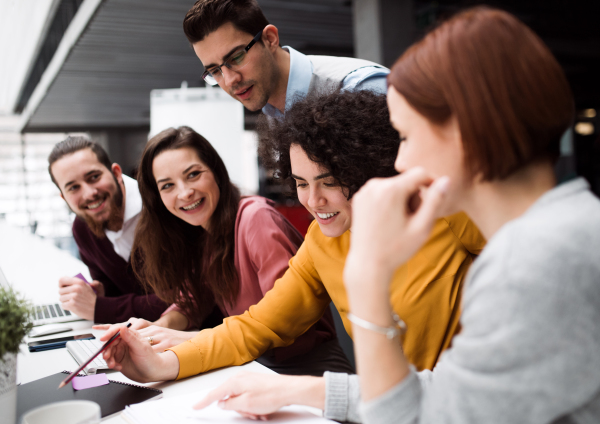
[114, 220]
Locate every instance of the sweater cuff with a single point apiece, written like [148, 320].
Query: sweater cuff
[336, 396]
[399, 405]
[342, 397]
[189, 358]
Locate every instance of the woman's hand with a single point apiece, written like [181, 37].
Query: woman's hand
[136, 324]
[134, 357]
[164, 338]
[391, 219]
[255, 396]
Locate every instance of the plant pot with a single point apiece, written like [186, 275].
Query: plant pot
[8, 387]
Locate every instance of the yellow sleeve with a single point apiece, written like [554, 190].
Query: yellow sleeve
[289, 309]
[467, 232]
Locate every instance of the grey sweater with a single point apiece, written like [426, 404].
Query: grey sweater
[529, 350]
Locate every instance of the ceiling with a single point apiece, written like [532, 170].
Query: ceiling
[133, 46]
[130, 47]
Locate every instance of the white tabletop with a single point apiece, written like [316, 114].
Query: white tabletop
[33, 266]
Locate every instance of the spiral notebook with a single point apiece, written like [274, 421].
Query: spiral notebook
[112, 397]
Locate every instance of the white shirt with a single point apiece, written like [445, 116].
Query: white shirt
[122, 240]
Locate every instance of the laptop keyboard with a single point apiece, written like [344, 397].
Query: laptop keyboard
[90, 347]
[50, 311]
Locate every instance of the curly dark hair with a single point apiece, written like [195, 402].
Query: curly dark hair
[348, 133]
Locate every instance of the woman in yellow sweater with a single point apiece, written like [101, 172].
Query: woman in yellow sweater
[329, 146]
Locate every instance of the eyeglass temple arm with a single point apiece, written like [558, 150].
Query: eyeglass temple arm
[254, 40]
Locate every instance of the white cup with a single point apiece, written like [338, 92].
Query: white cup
[68, 412]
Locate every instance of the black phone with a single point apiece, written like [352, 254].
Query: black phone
[48, 344]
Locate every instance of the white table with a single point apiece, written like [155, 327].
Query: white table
[33, 266]
[34, 365]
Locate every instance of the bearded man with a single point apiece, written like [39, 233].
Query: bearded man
[107, 204]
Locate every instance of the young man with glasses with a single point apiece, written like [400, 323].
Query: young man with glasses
[240, 52]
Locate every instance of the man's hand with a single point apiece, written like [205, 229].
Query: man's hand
[78, 297]
[98, 287]
[256, 396]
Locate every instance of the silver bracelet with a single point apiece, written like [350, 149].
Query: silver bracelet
[390, 332]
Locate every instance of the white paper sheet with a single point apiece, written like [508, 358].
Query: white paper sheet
[179, 410]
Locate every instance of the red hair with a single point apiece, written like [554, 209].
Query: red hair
[509, 94]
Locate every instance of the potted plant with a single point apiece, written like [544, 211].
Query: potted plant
[15, 323]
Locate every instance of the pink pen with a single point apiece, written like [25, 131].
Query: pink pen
[81, 277]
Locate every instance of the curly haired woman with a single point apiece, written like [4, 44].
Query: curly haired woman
[327, 147]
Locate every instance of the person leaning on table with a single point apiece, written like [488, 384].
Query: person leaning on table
[481, 105]
[326, 151]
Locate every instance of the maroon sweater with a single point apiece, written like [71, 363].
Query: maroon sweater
[124, 296]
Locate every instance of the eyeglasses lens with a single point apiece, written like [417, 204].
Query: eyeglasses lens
[236, 62]
[209, 79]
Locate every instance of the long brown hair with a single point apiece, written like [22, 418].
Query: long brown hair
[171, 256]
[510, 96]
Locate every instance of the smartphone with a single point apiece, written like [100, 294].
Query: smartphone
[48, 344]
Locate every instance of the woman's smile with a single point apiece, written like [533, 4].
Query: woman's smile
[186, 185]
[192, 207]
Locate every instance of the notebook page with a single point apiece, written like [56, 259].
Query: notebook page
[179, 409]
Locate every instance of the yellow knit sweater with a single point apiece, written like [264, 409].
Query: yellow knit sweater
[425, 293]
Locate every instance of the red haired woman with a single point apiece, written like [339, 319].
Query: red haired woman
[481, 105]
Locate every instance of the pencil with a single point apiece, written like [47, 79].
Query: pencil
[104, 346]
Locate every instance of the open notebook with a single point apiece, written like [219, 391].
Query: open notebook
[112, 397]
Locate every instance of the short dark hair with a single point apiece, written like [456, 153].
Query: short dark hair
[207, 16]
[347, 133]
[73, 144]
[508, 93]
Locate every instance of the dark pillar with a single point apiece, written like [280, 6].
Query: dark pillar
[383, 29]
[124, 146]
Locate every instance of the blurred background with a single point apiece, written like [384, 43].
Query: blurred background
[120, 71]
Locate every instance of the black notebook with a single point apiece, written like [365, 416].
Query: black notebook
[112, 397]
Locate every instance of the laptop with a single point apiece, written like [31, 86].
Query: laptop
[46, 313]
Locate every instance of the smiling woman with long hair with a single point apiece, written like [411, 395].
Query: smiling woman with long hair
[202, 246]
[171, 242]
[481, 104]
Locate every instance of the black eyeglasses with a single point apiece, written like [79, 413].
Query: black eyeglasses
[235, 62]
